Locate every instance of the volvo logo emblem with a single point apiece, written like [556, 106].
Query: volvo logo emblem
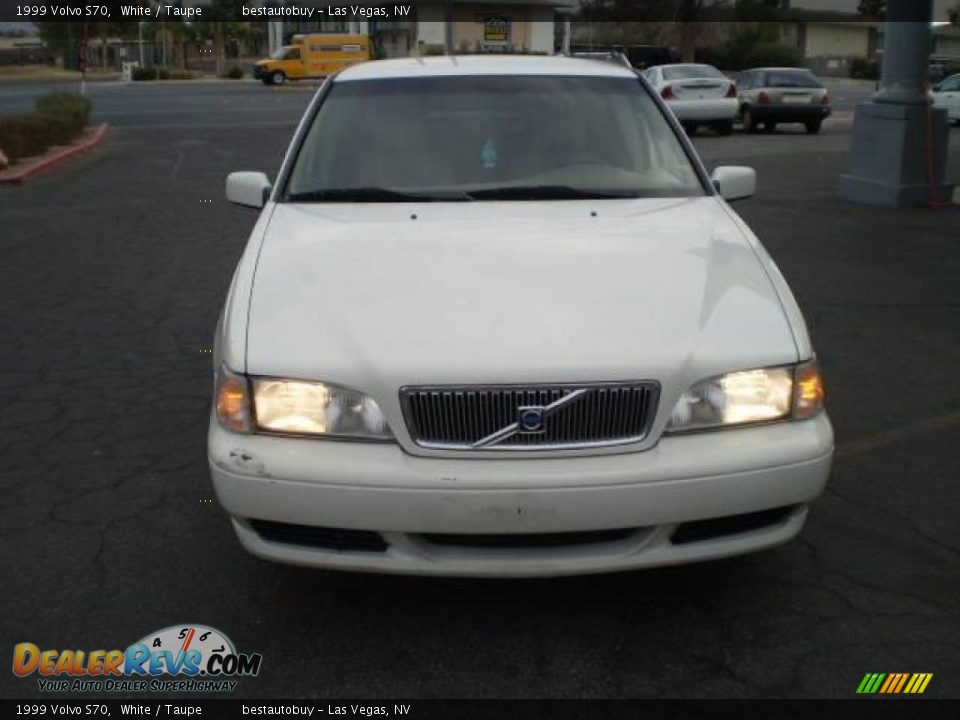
[531, 419]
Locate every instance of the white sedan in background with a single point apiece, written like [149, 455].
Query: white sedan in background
[946, 95]
[697, 94]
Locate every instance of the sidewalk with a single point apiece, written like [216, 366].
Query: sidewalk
[44, 74]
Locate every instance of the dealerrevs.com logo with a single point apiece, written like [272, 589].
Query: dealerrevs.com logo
[200, 658]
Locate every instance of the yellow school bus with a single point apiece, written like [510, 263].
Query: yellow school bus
[313, 56]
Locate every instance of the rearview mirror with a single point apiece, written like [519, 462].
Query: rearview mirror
[734, 182]
[248, 188]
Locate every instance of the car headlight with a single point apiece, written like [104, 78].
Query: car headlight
[749, 397]
[298, 407]
[231, 401]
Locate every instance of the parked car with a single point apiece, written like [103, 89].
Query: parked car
[697, 94]
[313, 56]
[936, 71]
[770, 96]
[946, 95]
[639, 56]
[516, 330]
[613, 56]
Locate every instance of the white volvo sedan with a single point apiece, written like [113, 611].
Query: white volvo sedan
[495, 319]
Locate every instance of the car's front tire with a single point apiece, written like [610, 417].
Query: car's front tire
[277, 78]
[813, 126]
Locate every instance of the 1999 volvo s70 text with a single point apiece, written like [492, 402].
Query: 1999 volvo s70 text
[495, 319]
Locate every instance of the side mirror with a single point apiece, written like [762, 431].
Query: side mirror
[734, 182]
[248, 188]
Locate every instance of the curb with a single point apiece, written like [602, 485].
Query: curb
[48, 163]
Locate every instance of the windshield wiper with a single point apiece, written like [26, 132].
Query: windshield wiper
[371, 194]
[549, 192]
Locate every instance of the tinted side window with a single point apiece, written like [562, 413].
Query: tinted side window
[792, 79]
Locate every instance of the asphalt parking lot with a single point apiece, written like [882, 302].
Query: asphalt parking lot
[113, 272]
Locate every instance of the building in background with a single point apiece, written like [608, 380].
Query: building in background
[507, 26]
[504, 26]
[834, 34]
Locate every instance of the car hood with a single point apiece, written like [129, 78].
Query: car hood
[378, 296]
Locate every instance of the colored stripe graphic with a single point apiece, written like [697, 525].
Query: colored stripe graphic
[903, 679]
[870, 683]
[892, 680]
[894, 683]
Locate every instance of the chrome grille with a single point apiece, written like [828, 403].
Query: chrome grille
[486, 417]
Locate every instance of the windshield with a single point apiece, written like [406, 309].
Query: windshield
[286, 53]
[800, 79]
[691, 72]
[490, 137]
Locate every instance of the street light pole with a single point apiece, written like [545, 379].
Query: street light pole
[899, 140]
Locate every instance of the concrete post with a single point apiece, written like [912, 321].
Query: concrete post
[274, 36]
[899, 140]
[566, 35]
[448, 28]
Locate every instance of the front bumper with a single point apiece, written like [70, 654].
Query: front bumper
[410, 502]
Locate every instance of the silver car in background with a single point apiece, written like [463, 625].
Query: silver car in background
[770, 96]
[697, 94]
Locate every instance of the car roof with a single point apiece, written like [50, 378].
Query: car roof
[454, 65]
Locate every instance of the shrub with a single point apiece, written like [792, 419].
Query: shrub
[59, 117]
[234, 73]
[24, 135]
[865, 68]
[772, 54]
[144, 73]
[719, 57]
[66, 114]
[162, 73]
[172, 74]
